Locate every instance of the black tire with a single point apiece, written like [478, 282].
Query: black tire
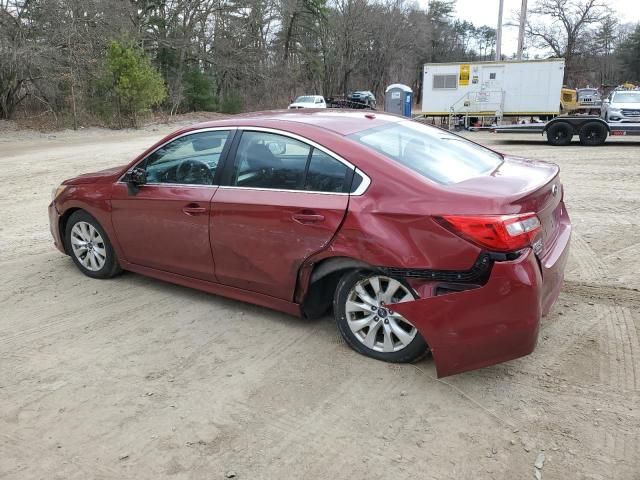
[110, 267]
[593, 134]
[414, 351]
[560, 134]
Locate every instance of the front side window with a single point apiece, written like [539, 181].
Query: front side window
[433, 153]
[189, 160]
[273, 161]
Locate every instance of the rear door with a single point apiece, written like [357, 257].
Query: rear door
[165, 225]
[282, 200]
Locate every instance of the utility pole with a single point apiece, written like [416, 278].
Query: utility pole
[499, 32]
[523, 23]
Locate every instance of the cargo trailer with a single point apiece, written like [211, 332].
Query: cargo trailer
[493, 89]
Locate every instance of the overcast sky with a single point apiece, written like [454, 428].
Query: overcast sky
[485, 12]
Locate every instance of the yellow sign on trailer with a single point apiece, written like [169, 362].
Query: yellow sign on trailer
[464, 74]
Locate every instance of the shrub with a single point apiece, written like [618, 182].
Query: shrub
[137, 85]
[231, 103]
[199, 91]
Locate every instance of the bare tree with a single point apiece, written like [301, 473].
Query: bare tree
[564, 26]
[254, 54]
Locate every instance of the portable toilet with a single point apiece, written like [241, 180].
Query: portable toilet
[398, 99]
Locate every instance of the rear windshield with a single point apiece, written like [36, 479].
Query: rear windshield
[627, 97]
[433, 153]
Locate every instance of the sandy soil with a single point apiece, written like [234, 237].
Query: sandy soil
[135, 378]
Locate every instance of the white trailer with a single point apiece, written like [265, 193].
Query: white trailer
[493, 89]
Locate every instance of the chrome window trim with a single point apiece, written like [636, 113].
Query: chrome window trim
[181, 185]
[190, 132]
[366, 181]
[362, 188]
[260, 189]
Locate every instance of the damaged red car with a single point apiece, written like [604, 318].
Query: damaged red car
[418, 239]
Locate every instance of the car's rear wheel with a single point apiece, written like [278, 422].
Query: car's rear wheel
[368, 325]
[89, 246]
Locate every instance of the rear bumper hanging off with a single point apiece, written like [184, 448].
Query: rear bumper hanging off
[487, 325]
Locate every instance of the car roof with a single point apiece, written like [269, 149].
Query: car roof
[338, 121]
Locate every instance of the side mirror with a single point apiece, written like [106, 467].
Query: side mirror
[135, 178]
[606, 100]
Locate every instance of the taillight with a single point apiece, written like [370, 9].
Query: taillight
[500, 233]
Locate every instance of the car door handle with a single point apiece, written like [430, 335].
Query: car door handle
[306, 218]
[194, 209]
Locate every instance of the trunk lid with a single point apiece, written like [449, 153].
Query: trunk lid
[521, 186]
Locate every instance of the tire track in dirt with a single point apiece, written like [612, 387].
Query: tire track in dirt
[608, 294]
[620, 367]
[589, 266]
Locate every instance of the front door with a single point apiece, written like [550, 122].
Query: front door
[166, 224]
[284, 201]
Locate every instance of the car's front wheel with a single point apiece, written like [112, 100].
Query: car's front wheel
[89, 246]
[369, 325]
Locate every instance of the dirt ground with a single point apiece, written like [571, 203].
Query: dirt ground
[136, 378]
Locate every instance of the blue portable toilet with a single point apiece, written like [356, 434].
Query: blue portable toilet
[398, 99]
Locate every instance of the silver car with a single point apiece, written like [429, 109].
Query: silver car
[622, 106]
[589, 97]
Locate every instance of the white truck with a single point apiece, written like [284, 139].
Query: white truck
[493, 89]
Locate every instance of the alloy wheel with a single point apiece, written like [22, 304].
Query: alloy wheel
[370, 319]
[88, 246]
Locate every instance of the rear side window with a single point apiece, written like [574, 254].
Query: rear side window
[326, 174]
[273, 161]
[433, 153]
[268, 160]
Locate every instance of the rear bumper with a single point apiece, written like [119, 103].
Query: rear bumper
[496, 322]
[54, 227]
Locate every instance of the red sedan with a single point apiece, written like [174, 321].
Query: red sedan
[418, 239]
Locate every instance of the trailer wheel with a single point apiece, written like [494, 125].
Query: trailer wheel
[560, 134]
[593, 134]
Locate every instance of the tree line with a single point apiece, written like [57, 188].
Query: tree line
[82, 61]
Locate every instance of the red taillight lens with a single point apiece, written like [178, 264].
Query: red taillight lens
[500, 233]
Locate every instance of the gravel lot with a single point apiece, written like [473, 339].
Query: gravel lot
[135, 378]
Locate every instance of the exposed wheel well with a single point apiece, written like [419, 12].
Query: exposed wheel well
[323, 282]
[62, 226]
